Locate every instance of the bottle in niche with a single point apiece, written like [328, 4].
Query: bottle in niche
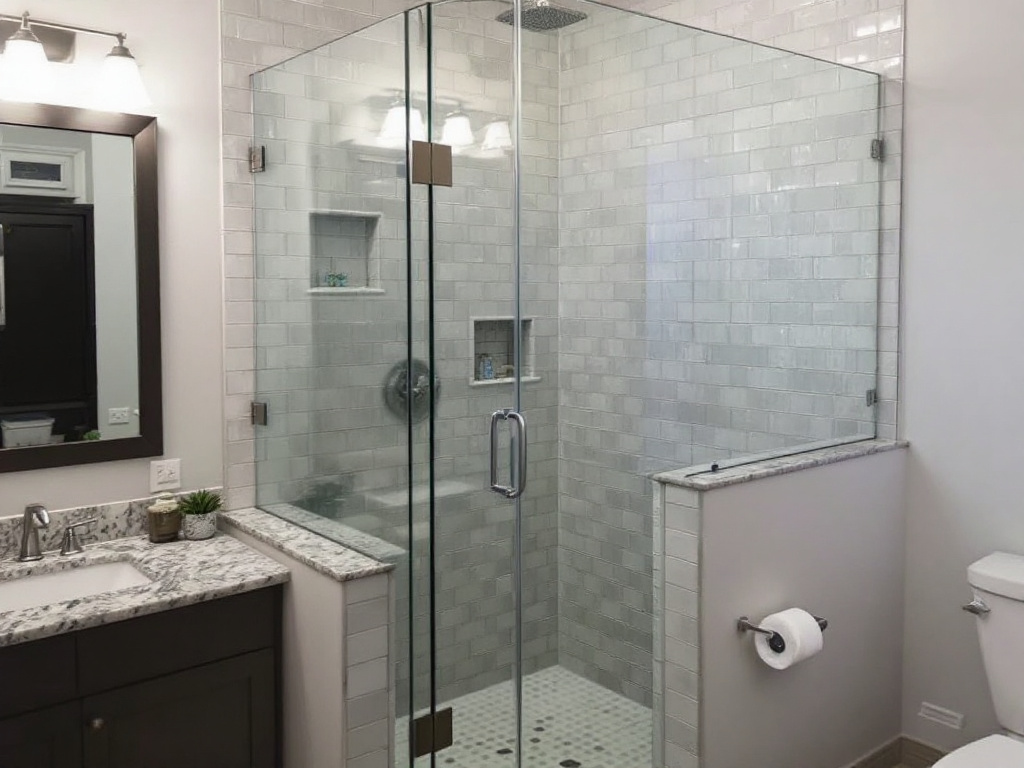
[485, 368]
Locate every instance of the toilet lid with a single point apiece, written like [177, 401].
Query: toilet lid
[990, 752]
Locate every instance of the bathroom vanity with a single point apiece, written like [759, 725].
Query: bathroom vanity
[180, 671]
[194, 686]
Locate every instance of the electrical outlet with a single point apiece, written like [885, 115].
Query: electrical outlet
[118, 416]
[164, 475]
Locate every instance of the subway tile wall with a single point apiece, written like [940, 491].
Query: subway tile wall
[368, 705]
[677, 513]
[867, 34]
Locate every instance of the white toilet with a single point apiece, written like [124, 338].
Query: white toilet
[998, 585]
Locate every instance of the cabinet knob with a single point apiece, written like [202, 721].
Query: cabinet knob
[97, 723]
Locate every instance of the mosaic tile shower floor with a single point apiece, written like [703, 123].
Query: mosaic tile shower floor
[570, 722]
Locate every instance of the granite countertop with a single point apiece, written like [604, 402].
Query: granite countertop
[701, 478]
[319, 553]
[183, 573]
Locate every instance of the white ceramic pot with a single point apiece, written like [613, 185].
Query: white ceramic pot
[198, 527]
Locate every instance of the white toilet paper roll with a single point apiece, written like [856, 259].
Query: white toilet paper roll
[801, 633]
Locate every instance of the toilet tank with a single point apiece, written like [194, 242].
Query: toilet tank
[998, 580]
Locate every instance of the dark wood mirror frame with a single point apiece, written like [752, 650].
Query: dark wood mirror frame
[150, 441]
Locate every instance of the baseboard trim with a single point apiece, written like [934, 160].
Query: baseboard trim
[886, 756]
[901, 752]
[914, 754]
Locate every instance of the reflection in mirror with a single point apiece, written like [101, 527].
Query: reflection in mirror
[69, 366]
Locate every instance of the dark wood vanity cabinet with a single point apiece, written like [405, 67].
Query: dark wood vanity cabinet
[195, 687]
[47, 738]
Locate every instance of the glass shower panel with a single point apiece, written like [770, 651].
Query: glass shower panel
[719, 244]
[717, 269]
[341, 332]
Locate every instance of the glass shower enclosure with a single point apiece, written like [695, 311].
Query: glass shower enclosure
[512, 259]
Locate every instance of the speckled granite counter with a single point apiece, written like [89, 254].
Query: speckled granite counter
[321, 554]
[702, 479]
[183, 573]
[367, 544]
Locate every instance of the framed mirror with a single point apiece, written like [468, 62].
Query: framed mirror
[80, 366]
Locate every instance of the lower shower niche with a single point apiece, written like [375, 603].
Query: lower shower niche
[494, 351]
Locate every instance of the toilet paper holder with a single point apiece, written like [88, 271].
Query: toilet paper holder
[775, 641]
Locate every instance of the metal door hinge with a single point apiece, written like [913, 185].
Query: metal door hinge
[431, 163]
[878, 149]
[432, 732]
[258, 414]
[871, 397]
[257, 159]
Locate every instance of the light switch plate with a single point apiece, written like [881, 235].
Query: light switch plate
[164, 475]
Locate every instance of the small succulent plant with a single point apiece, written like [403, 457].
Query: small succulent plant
[199, 503]
[336, 279]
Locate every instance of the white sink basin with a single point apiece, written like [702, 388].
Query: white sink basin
[72, 584]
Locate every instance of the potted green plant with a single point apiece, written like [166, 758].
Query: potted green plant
[199, 514]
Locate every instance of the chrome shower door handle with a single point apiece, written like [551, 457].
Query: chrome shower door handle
[518, 425]
[519, 444]
[496, 418]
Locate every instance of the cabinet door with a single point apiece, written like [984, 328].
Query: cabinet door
[49, 738]
[221, 715]
[48, 344]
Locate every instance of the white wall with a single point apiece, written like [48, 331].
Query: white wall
[117, 341]
[177, 46]
[829, 540]
[963, 358]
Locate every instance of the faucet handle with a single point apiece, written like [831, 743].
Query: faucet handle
[70, 545]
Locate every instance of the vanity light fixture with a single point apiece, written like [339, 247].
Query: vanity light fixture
[120, 82]
[457, 131]
[392, 132]
[25, 72]
[497, 136]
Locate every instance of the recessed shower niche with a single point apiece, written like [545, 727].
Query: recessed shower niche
[494, 341]
[345, 253]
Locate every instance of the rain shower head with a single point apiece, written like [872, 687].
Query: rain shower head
[542, 16]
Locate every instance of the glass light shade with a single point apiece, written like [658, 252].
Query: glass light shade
[392, 132]
[119, 85]
[457, 131]
[497, 136]
[25, 72]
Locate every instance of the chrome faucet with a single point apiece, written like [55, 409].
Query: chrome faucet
[35, 517]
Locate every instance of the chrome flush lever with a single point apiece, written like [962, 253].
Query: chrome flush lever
[977, 607]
